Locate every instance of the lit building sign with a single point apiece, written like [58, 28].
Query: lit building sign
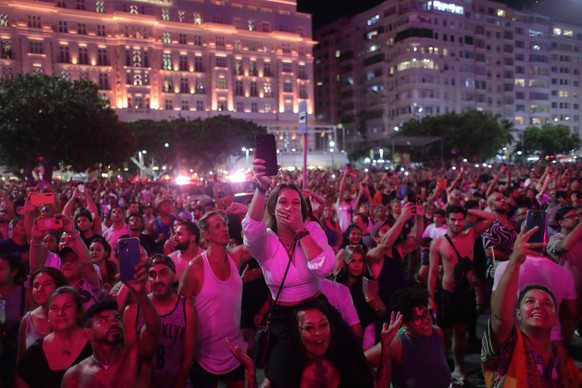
[446, 7]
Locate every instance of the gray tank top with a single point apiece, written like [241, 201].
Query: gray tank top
[423, 362]
[168, 355]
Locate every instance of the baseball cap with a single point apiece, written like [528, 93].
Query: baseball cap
[66, 250]
[161, 259]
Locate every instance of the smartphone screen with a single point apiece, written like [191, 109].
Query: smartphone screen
[129, 254]
[38, 199]
[537, 218]
[266, 149]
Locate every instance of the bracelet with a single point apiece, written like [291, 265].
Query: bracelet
[262, 190]
[300, 235]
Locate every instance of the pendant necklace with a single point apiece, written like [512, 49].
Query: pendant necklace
[104, 365]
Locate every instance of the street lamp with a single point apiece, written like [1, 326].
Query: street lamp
[246, 151]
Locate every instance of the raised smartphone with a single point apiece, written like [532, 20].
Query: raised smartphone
[266, 149]
[129, 254]
[537, 218]
[39, 199]
[49, 223]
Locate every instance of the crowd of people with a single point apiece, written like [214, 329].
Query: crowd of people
[362, 277]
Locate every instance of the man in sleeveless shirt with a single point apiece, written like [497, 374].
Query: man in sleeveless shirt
[456, 296]
[121, 355]
[174, 355]
[212, 279]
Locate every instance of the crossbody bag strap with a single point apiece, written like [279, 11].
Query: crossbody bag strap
[453, 245]
[268, 321]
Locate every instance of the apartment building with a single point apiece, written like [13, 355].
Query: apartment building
[405, 59]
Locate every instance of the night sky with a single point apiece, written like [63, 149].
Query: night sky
[325, 11]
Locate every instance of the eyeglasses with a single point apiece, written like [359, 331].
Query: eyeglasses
[572, 216]
[357, 246]
[418, 319]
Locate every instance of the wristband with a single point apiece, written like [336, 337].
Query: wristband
[300, 235]
[262, 190]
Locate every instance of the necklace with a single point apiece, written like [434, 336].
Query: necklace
[65, 351]
[104, 365]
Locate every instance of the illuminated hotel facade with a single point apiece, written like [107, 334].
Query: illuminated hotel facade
[406, 59]
[164, 59]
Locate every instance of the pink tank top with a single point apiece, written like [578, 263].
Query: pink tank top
[218, 307]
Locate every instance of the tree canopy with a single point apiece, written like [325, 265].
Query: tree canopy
[473, 134]
[197, 144]
[57, 123]
[551, 139]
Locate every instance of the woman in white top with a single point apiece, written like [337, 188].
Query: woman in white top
[286, 238]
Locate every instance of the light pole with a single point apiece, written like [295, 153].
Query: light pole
[246, 151]
[332, 149]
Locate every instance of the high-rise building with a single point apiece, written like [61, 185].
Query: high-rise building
[163, 59]
[406, 59]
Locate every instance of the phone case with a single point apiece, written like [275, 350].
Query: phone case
[38, 199]
[129, 255]
[537, 218]
[266, 149]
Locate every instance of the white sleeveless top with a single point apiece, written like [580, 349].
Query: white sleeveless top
[218, 307]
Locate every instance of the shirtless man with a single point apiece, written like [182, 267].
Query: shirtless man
[456, 307]
[213, 281]
[121, 356]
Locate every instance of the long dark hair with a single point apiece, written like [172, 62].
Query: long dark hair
[272, 204]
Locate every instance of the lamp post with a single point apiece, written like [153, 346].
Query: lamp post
[332, 150]
[247, 151]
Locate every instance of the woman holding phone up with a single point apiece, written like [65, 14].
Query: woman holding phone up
[284, 240]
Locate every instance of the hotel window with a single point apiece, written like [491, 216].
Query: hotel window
[34, 21]
[303, 92]
[239, 107]
[136, 58]
[168, 104]
[167, 61]
[166, 38]
[183, 63]
[103, 81]
[200, 86]
[5, 49]
[3, 20]
[288, 106]
[268, 108]
[83, 56]
[198, 64]
[254, 90]
[286, 48]
[199, 105]
[99, 6]
[137, 80]
[287, 67]
[61, 4]
[102, 59]
[253, 68]
[301, 74]
[184, 105]
[168, 85]
[266, 27]
[221, 105]
[37, 69]
[181, 16]
[133, 9]
[287, 87]
[220, 61]
[238, 88]
[197, 18]
[165, 14]
[36, 47]
[182, 39]
[254, 107]
[63, 27]
[197, 40]
[221, 83]
[267, 89]
[184, 86]
[81, 5]
[220, 42]
[64, 56]
[237, 45]
[82, 29]
[100, 30]
[251, 25]
[267, 69]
